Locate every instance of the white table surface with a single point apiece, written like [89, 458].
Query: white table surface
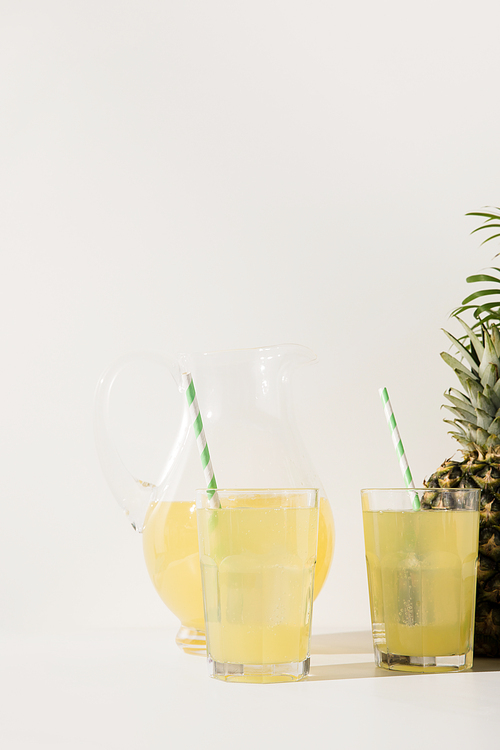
[134, 689]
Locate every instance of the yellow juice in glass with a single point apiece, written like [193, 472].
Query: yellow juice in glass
[170, 545]
[422, 579]
[257, 567]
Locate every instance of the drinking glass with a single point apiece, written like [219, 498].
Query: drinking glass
[258, 555]
[421, 567]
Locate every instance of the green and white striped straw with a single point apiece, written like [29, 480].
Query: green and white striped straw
[398, 445]
[201, 441]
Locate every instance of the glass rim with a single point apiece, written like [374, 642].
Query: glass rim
[429, 498]
[421, 489]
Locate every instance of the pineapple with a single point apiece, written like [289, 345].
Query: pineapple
[476, 427]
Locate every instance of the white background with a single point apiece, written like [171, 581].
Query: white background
[180, 176]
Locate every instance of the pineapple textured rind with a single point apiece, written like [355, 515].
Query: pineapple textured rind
[481, 474]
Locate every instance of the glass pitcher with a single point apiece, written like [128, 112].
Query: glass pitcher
[246, 404]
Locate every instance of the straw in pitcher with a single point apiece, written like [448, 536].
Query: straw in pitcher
[201, 441]
[398, 445]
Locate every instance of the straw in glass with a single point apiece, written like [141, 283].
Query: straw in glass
[201, 441]
[398, 445]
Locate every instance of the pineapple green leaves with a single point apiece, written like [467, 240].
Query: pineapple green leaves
[483, 307]
[490, 217]
[476, 411]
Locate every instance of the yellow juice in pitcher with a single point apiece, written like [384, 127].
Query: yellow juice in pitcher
[422, 577]
[170, 545]
[257, 567]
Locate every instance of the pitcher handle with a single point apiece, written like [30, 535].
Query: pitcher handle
[133, 495]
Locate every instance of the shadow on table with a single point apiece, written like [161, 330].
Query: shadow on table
[342, 643]
[343, 656]
[349, 656]
[486, 665]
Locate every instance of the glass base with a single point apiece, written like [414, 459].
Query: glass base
[402, 663]
[287, 672]
[191, 641]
